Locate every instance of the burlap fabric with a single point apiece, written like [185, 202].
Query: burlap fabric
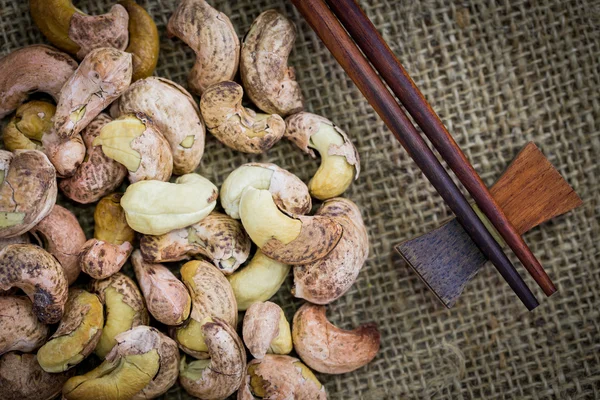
[500, 73]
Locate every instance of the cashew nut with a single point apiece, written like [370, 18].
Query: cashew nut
[257, 281]
[340, 162]
[236, 126]
[27, 190]
[218, 237]
[155, 208]
[134, 141]
[98, 174]
[212, 297]
[289, 192]
[222, 374]
[125, 309]
[27, 127]
[20, 329]
[269, 82]
[77, 335]
[175, 114]
[61, 235]
[77, 33]
[144, 43]
[292, 240]
[212, 37]
[329, 349]
[36, 68]
[266, 330]
[327, 279]
[280, 378]
[167, 298]
[110, 223]
[130, 367]
[103, 75]
[36, 272]
[22, 378]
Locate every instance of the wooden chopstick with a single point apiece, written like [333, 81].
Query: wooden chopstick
[369, 40]
[335, 38]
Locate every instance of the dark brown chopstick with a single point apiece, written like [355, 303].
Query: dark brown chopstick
[335, 38]
[369, 40]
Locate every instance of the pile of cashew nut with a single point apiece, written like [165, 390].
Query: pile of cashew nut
[155, 296]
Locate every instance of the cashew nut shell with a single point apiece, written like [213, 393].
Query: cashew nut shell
[20, 329]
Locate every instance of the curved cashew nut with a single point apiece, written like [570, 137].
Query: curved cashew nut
[266, 330]
[27, 190]
[167, 298]
[125, 309]
[327, 279]
[100, 259]
[77, 33]
[269, 82]
[144, 43]
[280, 378]
[289, 192]
[257, 281]
[29, 124]
[217, 237]
[236, 126]
[340, 162]
[36, 272]
[77, 334]
[61, 235]
[212, 297]
[20, 329]
[212, 37]
[222, 374]
[103, 75]
[292, 240]
[155, 208]
[131, 366]
[175, 114]
[329, 349]
[21, 377]
[134, 141]
[36, 68]
[98, 175]
[110, 222]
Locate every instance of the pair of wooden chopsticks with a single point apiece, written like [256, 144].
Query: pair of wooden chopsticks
[327, 26]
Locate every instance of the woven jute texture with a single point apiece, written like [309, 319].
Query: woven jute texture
[499, 73]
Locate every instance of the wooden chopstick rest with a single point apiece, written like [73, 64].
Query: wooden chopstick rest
[530, 192]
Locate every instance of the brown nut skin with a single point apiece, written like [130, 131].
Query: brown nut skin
[20, 329]
[265, 330]
[101, 259]
[98, 175]
[212, 37]
[327, 279]
[27, 190]
[36, 68]
[218, 237]
[61, 235]
[223, 374]
[142, 339]
[329, 349]
[77, 33]
[236, 126]
[103, 75]
[144, 42]
[22, 378]
[29, 124]
[166, 296]
[174, 112]
[77, 334]
[268, 80]
[280, 378]
[110, 222]
[36, 272]
[212, 297]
